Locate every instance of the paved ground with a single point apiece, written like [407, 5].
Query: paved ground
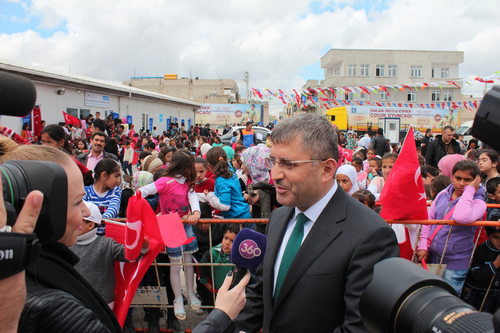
[192, 319]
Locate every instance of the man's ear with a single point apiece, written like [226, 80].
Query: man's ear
[329, 169]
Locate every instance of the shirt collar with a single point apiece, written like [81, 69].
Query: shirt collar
[313, 212]
[92, 154]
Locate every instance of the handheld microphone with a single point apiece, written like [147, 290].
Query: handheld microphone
[17, 95]
[247, 253]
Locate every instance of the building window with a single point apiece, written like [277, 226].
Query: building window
[436, 95]
[365, 70]
[384, 96]
[352, 70]
[445, 72]
[336, 71]
[411, 96]
[73, 112]
[349, 96]
[432, 72]
[416, 71]
[393, 70]
[448, 94]
[362, 96]
[380, 70]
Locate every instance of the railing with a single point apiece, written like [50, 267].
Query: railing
[193, 323]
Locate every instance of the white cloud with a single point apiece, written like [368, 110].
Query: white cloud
[272, 40]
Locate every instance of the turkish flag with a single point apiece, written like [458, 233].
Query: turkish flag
[70, 120]
[348, 154]
[404, 186]
[37, 122]
[129, 275]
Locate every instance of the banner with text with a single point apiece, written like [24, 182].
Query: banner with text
[222, 114]
[411, 116]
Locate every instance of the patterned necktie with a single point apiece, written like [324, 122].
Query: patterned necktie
[292, 247]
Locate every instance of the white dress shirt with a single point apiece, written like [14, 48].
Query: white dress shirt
[312, 213]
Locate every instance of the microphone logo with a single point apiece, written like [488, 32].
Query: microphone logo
[249, 249]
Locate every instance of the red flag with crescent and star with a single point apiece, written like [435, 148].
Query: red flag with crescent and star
[348, 154]
[129, 275]
[403, 195]
[70, 120]
[37, 122]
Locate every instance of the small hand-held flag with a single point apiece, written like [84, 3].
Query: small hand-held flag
[70, 120]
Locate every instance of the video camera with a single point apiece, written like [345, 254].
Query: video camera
[19, 178]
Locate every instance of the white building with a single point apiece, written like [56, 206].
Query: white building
[80, 95]
[355, 68]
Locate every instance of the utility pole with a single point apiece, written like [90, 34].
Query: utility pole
[247, 79]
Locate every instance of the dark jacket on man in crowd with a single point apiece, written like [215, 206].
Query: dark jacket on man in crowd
[379, 144]
[82, 158]
[425, 140]
[438, 149]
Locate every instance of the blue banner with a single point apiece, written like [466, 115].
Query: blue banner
[129, 120]
[189, 123]
[115, 115]
[150, 124]
[27, 120]
[168, 123]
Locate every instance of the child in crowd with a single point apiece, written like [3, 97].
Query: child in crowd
[493, 188]
[357, 163]
[373, 169]
[489, 165]
[429, 173]
[365, 197]
[128, 158]
[438, 184]
[165, 155]
[221, 253]
[177, 195]
[98, 255]
[462, 201]
[204, 184]
[347, 178]
[227, 196]
[377, 183]
[483, 274]
[102, 188]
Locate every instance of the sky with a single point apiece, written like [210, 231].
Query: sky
[280, 43]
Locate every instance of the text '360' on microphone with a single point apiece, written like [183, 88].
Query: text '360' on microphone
[17, 95]
[247, 253]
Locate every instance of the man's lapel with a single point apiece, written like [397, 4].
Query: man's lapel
[324, 231]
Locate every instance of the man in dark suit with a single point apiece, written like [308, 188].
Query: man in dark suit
[321, 246]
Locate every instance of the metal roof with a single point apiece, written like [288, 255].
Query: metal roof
[44, 75]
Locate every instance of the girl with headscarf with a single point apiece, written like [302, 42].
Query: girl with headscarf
[254, 164]
[447, 163]
[347, 177]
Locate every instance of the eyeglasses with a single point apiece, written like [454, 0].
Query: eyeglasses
[287, 164]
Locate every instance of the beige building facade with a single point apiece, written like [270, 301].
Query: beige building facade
[355, 68]
[213, 91]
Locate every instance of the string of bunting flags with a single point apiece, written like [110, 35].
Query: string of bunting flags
[301, 97]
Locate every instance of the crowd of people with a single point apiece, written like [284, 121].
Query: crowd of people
[192, 173]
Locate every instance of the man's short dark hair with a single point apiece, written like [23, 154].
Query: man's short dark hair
[448, 128]
[427, 131]
[100, 124]
[99, 133]
[248, 123]
[151, 145]
[380, 131]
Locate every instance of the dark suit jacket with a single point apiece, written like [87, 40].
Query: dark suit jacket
[328, 275]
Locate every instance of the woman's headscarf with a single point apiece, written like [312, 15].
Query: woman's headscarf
[254, 158]
[350, 172]
[142, 178]
[447, 163]
[204, 148]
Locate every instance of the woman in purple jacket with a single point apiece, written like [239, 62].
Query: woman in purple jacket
[462, 201]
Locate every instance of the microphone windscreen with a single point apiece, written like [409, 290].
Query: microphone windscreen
[248, 249]
[17, 95]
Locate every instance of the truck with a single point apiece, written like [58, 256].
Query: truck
[394, 120]
[466, 130]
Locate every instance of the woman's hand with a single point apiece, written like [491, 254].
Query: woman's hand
[476, 182]
[422, 255]
[194, 218]
[232, 301]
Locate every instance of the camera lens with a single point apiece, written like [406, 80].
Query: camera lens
[20, 178]
[403, 297]
[433, 309]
